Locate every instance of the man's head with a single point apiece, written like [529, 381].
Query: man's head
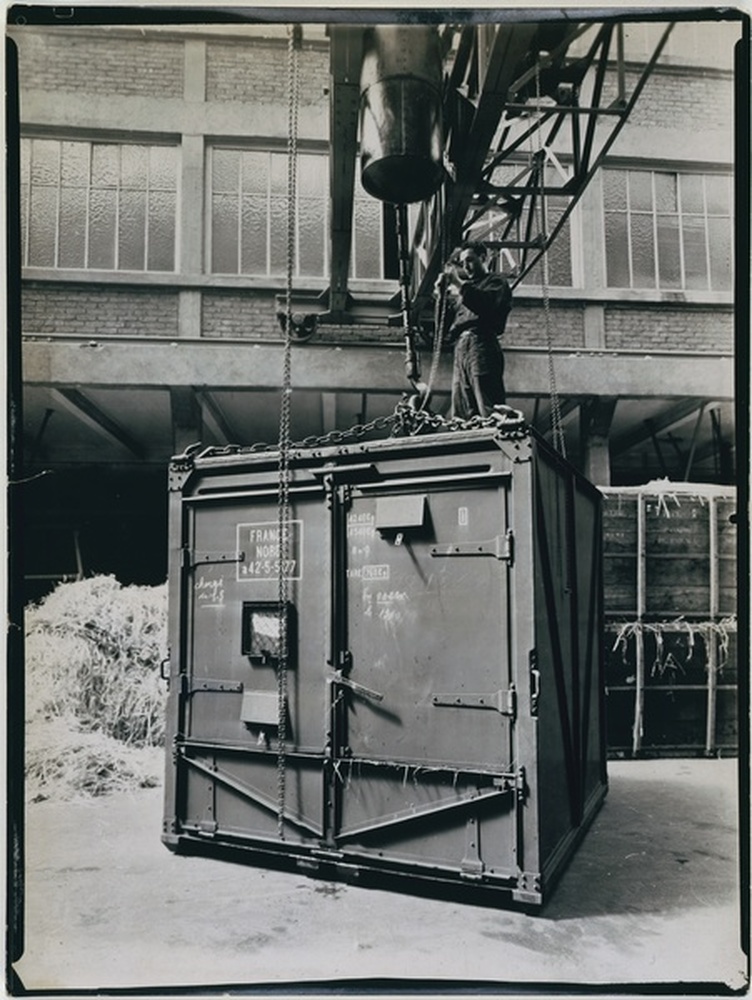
[472, 258]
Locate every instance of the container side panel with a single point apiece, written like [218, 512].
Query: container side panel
[558, 765]
[429, 709]
[428, 633]
[443, 820]
[231, 686]
[588, 632]
[235, 618]
[230, 796]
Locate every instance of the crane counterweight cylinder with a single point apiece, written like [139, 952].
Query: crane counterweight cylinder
[401, 127]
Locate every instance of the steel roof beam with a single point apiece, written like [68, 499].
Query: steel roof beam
[89, 414]
[647, 429]
[214, 418]
[508, 45]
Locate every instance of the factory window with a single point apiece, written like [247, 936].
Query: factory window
[98, 205]
[249, 219]
[665, 230]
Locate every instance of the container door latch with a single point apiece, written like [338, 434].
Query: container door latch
[501, 547]
[503, 701]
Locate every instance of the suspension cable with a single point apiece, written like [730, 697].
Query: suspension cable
[556, 421]
[441, 312]
[412, 361]
[284, 511]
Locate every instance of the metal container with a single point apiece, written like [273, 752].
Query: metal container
[443, 705]
[670, 595]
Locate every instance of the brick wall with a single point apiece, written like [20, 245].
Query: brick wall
[99, 311]
[526, 326]
[679, 101]
[253, 316]
[665, 329]
[100, 65]
[239, 314]
[235, 72]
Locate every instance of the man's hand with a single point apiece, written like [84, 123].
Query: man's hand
[456, 276]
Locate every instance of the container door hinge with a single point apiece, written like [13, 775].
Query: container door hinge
[197, 685]
[503, 701]
[501, 547]
[520, 784]
[193, 558]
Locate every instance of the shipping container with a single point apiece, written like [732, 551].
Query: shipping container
[670, 592]
[433, 661]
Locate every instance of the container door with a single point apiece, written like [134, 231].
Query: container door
[229, 750]
[425, 741]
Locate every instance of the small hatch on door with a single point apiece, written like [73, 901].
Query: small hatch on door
[400, 513]
[262, 631]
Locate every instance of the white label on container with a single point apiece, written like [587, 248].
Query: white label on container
[259, 543]
[375, 572]
[463, 517]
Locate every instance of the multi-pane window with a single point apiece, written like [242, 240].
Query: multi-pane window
[249, 216]
[98, 205]
[666, 230]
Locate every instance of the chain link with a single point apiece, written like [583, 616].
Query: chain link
[407, 420]
[284, 511]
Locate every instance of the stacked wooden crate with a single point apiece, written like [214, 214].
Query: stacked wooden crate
[670, 595]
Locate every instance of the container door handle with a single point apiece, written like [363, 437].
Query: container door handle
[534, 688]
[356, 688]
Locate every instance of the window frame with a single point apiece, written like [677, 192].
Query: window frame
[271, 148]
[90, 140]
[682, 215]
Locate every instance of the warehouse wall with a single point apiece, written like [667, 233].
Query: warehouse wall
[216, 73]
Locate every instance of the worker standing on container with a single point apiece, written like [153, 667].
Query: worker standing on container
[476, 308]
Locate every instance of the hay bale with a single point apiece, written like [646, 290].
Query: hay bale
[93, 690]
[63, 763]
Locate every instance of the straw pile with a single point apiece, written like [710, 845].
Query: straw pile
[94, 697]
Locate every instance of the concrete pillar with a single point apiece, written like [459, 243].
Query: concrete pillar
[596, 460]
[189, 313]
[596, 415]
[187, 425]
[594, 321]
[192, 185]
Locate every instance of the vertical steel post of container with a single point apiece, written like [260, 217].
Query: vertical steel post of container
[710, 639]
[525, 667]
[639, 637]
[177, 638]
[337, 624]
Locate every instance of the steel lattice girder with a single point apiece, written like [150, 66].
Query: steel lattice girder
[512, 88]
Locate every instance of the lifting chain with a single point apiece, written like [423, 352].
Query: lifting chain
[556, 422]
[284, 511]
[407, 420]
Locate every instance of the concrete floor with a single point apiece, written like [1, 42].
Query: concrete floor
[652, 896]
